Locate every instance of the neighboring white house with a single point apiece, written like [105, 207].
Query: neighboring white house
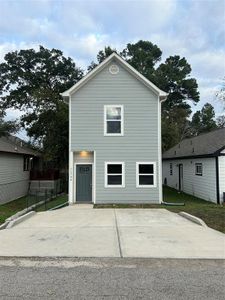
[16, 160]
[197, 166]
[115, 136]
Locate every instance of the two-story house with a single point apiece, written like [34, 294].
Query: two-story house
[115, 136]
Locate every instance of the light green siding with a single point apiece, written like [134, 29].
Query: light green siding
[140, 140]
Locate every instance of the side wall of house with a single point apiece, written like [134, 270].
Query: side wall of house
[222, 176]
[140, 142]
[200, 186]
[13, 180]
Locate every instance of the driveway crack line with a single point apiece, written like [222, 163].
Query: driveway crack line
[118, 235]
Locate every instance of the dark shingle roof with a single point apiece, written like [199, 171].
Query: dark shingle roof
[15, 145]
[205, 144]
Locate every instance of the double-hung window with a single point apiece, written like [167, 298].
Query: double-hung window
[146, 174]
[198, 169]
[114, 174]
[113, 120]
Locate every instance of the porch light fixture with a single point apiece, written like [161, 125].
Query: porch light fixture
[83, 153]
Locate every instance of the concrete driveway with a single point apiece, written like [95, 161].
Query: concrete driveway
[81, 231]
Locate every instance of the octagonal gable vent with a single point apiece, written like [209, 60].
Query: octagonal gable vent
[114, 69]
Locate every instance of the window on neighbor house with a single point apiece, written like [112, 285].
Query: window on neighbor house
[113, 120]
[198, 169]
[26, 163]
[145, 174]
[171, 169]
[114, 174]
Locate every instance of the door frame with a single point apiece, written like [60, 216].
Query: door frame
[179, 174]
[92, 180]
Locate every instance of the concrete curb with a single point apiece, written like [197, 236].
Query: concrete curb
[4, 225]
[193, 218]
[24, 211]
[20, 219]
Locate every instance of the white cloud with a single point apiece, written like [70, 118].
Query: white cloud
[194, 29]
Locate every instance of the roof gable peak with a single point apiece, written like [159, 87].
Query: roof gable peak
[162, 95]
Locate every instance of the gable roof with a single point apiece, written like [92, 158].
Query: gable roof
[162, 95]
[12, 144]
[207, 144]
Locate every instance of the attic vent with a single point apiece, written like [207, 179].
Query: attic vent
[114, 69]
[175, 152]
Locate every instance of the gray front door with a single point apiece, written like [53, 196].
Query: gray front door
[84, 183]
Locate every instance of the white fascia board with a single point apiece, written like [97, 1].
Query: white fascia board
[149, 84]
[87, 77]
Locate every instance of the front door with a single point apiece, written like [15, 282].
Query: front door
[180, 177]
[84, 183]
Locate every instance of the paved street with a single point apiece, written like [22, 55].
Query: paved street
[111, 279]
[81, 231]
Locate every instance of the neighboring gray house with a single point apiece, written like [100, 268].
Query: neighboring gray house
[114, 136]
[197, 166]
[16, 160]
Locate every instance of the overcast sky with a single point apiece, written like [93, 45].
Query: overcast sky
[194, 29]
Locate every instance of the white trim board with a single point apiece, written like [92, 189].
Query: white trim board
[106, 174]
[121, 120]
[138, 174]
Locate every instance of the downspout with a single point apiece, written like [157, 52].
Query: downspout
[217, 180]
[162, 98]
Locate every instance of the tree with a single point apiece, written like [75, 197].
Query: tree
[7, 127]
[173, 77]
[143, 56]
[204, 120]
[220, 121]
[175, 127]
[196, 123]
[32, 81]
[102, 55]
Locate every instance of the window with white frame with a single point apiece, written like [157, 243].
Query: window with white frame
[171, 169]
[113, 120]
[198, 169]
[27, 163]
[146, 174]
[114, 174]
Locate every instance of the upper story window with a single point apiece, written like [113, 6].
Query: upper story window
[113, 120]
[146, 174]
[198, 169]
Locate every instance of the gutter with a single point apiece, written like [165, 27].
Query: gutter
[163, 97]
[190, 156]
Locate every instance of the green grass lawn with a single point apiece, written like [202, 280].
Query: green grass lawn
[53, 203]
[212, 214]
[10, 208]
